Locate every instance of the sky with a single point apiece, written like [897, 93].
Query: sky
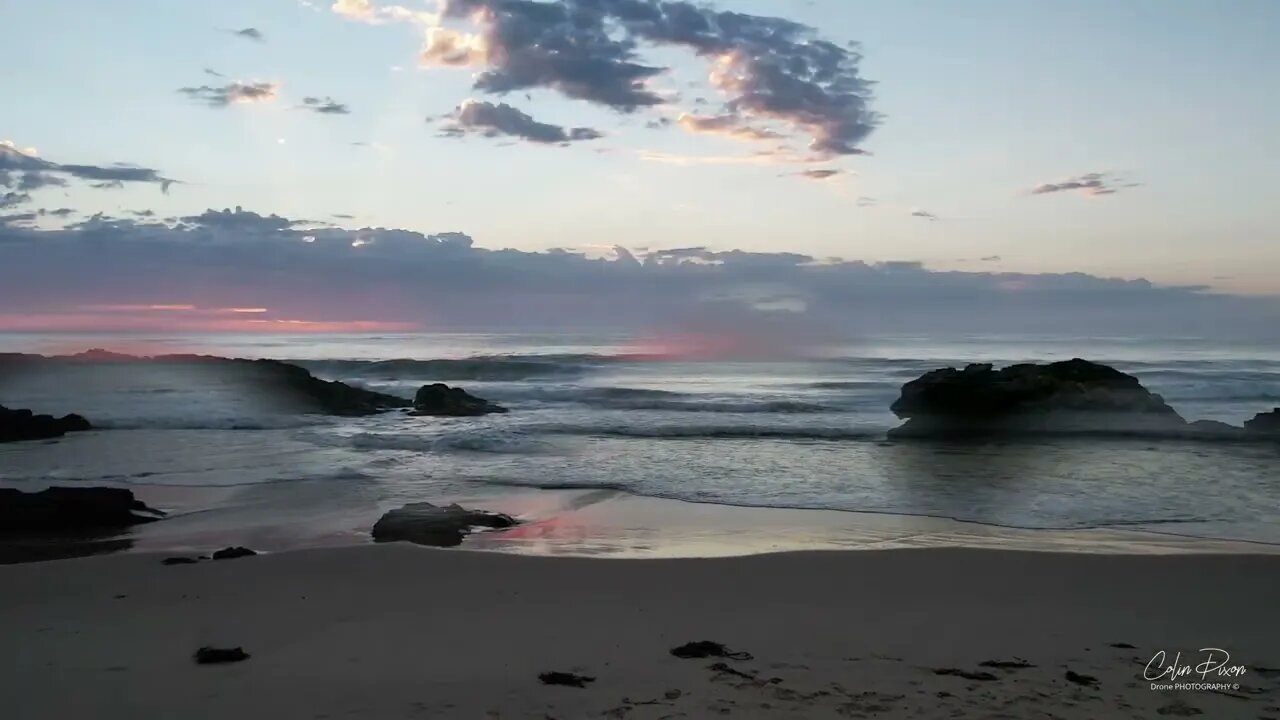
[833, 165]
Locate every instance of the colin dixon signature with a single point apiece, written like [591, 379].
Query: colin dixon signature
[1214, 662]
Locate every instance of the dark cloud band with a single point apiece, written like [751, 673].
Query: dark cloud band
[497, 120]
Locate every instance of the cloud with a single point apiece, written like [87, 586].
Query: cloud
[727, 125]
[240, 220]
[13, 199]
[325, 106]
[497, 120]
[22, 171]
[238, 93]
[449, 48]
[821, 174]
[865, 201]
[923, 214]
[775, 156]
[249, 33]
[1094, 184]
[17, 219]
[770, 69]
[990, 258]
[241, 259]
[366, 11]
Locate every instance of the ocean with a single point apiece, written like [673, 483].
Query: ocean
[681, 418]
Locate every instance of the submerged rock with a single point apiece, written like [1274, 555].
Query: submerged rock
[706, 649]
[566, 679]
[1070, 396]
[1212, 430]
[1080, 679]
[25, 425]
[272, 381]
[232, 553]
[427, 524]
[440, 399]
[1267, 423]
[211, 655]
[64, 509]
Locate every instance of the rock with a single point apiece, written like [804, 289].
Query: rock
[427, 524]
[24, 425]
[440, 399]
[179, 561]
[66, 509]
[1212, 429]
[705, 649]
[566, 679]
[212, 655]
[1014, 664]
[1070, 396]
[274, 381]
[1267, 423]
[232, 553]
[966, 674]
[1079, 679]
[329, 396]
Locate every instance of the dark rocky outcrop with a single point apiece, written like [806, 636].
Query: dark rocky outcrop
[707, 648]
[25, 425]
[330, 396]
[567, 679]
[284, 384]
[1070, 396]
[71, 510]
[440, 399]
[213, 656]
[1213, 429]
[232, 553]
[427, 524]
[1267, 423]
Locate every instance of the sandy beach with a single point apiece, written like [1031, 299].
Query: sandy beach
[398, 631]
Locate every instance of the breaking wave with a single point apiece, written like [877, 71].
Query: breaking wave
[694, 432]
[627, 398]
[489, 440]
[483, 367]
[263, 422]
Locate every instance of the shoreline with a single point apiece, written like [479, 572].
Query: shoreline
[605, 524]
[398, 631]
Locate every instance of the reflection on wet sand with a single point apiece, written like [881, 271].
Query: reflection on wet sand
[615, 524]
[40, 548]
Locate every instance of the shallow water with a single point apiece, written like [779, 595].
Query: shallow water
[796, 427]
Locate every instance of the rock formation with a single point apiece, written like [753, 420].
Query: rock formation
[25, 425]
[291, 385]
[71, 510]
[440, 399]
[427, 524]
[1070, 396]
[1266, 423]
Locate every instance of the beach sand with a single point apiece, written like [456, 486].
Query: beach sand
[398, 631]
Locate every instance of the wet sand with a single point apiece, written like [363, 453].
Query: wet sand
[398, 631]
[608, 523]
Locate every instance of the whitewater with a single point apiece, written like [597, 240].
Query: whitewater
[791, 427]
